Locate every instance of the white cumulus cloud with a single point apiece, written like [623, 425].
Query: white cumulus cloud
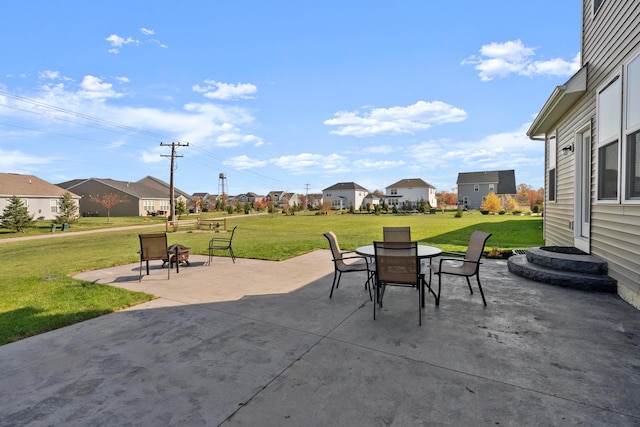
[225, 91]
[498, 60]
[306, 163]
[117, 42]
[395, 120]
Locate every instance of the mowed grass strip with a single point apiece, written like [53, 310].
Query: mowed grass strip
[37, 293]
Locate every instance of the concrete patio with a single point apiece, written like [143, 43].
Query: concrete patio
[260, 343]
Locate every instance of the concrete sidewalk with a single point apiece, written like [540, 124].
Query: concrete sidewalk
[260, 343]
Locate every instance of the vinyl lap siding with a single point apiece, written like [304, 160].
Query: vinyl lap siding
[609, 39]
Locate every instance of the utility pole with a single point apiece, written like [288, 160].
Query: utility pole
[173, 145]
[306, 195]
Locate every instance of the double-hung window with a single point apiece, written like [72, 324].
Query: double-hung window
[609, 111]
[632, 130]
[618, 126]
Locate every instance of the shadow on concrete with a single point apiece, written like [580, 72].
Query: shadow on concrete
[261, 343]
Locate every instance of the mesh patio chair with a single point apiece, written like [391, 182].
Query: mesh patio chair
[222, 244]
[396, 234]
[154, 247]
[345, 262]
[397, 264]
[462, 264]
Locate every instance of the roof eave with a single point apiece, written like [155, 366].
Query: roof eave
[560, 101]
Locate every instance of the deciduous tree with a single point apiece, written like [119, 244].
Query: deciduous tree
[109, 201]
[492, 203]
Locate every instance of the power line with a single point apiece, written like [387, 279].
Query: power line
[140, 132]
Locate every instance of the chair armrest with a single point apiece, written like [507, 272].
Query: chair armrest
[219, 239]
[452, 254]
[464, 261]
[342, 258]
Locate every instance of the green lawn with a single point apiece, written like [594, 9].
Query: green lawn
[38, 295]
[94, 223]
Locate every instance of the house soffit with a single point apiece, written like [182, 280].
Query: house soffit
[559, 103]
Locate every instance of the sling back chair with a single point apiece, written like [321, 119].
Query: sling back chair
[396, 234]
[222, 244]
[346, 262]
[397, 264]
[154, 247]
[465, 265]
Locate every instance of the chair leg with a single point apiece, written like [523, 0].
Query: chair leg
[336, 279]
[480, 287]
[140, 278]
[426, 286]
[469, 284]
[420, 298]
[381, 288]
[375, 292]
[233, 256]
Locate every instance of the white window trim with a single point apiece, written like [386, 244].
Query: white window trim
[598, 144]
[553, 164]
[624, 133]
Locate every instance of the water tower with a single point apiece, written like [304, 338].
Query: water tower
[222, 185]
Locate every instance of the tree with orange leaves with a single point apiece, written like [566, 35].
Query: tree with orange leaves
[109, 201]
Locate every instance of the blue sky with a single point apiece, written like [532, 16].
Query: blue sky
[280, 95]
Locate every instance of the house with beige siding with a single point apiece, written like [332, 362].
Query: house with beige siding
[591, 130]
[41, 198]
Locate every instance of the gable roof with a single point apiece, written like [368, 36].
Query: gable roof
[411, 183]
[159, 184]
[346, 186]
[560, 101]
[13, 184]
[145, 188]
[505, 179]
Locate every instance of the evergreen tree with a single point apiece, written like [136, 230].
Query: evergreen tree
[16, 216]
[181, 208]
[68, 209]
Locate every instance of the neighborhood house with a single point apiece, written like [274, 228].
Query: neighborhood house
[474, 187]
[42, 199]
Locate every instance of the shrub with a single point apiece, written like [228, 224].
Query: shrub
[458, 213]
[495, 252]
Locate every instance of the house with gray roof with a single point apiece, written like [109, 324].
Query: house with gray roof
[148, 196]
[344, 195]
[41, 198]
[473, 187]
